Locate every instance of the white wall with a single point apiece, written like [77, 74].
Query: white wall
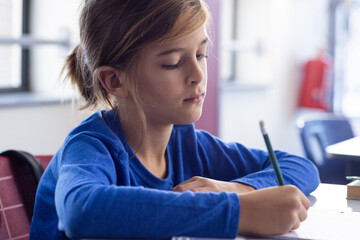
[298, 30]
[37, 129]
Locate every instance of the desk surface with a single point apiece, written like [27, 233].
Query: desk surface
[347, 150]
[331, 216]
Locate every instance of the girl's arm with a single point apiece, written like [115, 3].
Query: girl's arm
[89, 209]
[236, 163]
[274, 210]
[90, 204]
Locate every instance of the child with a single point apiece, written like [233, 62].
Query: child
[140, 169]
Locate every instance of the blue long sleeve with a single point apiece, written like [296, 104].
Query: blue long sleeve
[137, 212]
[94, 206]
[254, 165]
[95, 187]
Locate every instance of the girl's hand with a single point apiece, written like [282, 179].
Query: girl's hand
[275, 210]
[201, 184]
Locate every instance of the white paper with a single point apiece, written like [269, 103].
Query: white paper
[327, 225]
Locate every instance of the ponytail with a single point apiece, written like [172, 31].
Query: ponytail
[80, 76]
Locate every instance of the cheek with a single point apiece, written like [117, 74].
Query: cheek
[170, 91]
[159, 89]
[204, 69]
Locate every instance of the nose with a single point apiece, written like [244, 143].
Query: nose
[196, 71]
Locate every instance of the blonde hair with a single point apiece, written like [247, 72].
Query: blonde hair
[112, 32]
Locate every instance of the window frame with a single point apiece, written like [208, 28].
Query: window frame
[336, 92]
[25, 54]
[235, 47]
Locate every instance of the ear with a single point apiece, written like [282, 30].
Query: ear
[113, 81]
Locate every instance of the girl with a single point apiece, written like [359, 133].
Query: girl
[140, 169]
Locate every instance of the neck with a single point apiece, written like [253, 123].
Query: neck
[153, 145]
[148, 142]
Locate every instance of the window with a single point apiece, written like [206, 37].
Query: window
[346, 52]
[14, 58]
[244, 34]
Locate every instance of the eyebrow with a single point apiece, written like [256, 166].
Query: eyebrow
[180, 49]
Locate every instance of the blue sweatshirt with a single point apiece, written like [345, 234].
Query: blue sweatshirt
[95, 187]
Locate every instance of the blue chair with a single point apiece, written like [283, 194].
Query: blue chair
[319, 131]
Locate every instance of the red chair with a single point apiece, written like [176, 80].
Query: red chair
[17, 196]
[44, 159]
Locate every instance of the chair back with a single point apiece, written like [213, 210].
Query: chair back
[44, 159]
[316, 133]
[17, 195]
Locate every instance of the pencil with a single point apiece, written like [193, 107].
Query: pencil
[272, 155]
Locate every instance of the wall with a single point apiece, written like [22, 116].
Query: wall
[298, 29]
[38, 129]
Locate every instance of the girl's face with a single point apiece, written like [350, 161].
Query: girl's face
[173, 78]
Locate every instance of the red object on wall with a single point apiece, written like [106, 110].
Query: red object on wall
[315, 84]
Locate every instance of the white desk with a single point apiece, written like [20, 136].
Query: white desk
[331, 217]
[346, 150]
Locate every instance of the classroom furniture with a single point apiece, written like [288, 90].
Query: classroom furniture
[17, 195]
[331, 217]
[319, 131]
[348, 150]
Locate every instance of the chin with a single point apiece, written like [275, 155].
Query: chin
[189, 119]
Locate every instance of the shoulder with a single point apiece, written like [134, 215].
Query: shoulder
[191, 133]
[101, 124]
[99, 134]
[201, 138]
[206, 143]
[100, 121]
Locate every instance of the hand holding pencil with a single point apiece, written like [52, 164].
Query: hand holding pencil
[273, 210]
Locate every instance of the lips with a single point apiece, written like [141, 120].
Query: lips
[195, 99]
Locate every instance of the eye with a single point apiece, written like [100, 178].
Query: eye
[201, 56]
[171, 67]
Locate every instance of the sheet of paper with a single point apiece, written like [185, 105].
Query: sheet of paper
[327, 224]
[321, 224]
